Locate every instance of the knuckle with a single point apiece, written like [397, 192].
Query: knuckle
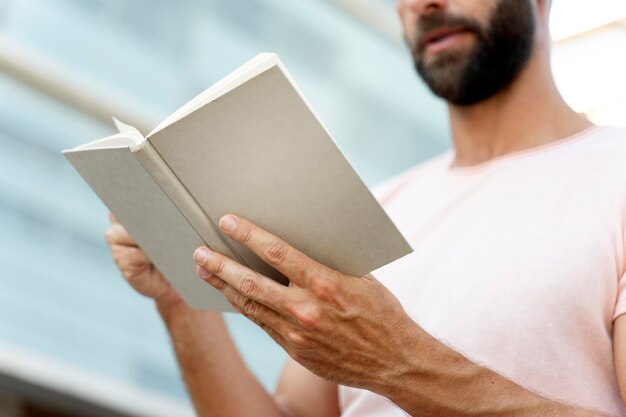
[298, 340]
[309, 319]
[275, 252]
[219, 267]
[247, 235]
[128, 274]
[249, 307]
[249, 284]
[323, 287]
[219, 284]
[291, 309]
[307, 271]
[237, 297]
[116, 232]
[135, 257]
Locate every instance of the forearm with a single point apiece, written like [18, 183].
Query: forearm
[217, 379]
[434, 380]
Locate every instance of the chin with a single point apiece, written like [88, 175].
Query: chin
[446, 62]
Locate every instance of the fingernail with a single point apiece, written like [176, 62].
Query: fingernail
[201, 255]
[204, 274]
[228, 223]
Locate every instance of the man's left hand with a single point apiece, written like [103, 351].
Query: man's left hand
[346, 329]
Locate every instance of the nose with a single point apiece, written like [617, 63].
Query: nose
[424, 7]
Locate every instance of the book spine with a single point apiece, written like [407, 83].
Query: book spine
[178, 194]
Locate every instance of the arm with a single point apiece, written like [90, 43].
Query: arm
[434, 380]
[619, 352]
[301, 393]
[220, 384]
[353, 331]
[217, 379]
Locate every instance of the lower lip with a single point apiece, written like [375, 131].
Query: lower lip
[446, 42]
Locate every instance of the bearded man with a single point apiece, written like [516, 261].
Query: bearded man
[512, 303]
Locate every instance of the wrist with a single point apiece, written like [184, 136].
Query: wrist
[178, 313]
[399, 369]
[423, 367]
[171, 308]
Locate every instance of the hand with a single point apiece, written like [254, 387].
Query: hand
[346, 329]
[137, 269]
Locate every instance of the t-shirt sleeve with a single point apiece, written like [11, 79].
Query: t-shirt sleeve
[620, 306]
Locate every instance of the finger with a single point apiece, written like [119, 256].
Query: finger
[205, 274]
[247, 282]
[116, 234]
[260, 314]
[265, 318]
[253, 310]
[112, 218]
[130, 258]
[295, 265]
[271, 331]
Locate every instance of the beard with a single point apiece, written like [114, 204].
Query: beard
[497, 57]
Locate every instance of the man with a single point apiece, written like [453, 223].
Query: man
[517, 273]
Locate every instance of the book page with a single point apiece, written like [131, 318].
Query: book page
[128, 136]
[129, 130]
[119, 140]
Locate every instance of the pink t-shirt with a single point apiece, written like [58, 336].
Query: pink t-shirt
[518, 264]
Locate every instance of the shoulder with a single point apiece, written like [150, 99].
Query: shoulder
[612, 134]
[603, 152]
[385, 190]
[604, 141]
[597, 164]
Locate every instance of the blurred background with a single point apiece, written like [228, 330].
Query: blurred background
[74, 339]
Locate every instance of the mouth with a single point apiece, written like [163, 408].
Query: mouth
[441, 39]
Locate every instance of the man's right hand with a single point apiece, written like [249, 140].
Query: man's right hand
[207, 355]
[138, 270]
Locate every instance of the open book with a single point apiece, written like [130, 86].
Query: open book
[248, 145]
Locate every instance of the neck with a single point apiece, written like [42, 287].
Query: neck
[528, 113]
